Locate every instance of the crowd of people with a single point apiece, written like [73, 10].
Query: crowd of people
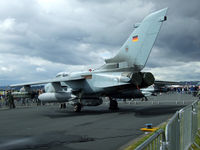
[9, 98]
[194, 90]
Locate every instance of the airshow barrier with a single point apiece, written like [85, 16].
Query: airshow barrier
[179, 133]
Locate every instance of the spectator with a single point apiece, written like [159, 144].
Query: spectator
[11, 100]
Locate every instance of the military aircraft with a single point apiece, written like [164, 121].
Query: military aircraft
[149, 91]
[119, 77]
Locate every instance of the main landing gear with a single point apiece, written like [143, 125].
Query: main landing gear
[113, 105]
[77, 107]
[144, 98]
[62, 106]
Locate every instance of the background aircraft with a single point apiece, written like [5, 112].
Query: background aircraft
[119, 77]
[157, 87]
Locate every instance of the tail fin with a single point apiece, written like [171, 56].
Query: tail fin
[136, 49]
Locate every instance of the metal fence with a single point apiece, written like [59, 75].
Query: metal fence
[182, 128]
[179, 133]
[154, 142]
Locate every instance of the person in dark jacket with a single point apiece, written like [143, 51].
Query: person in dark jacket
[11, 100]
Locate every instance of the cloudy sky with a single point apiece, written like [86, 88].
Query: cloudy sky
[39, 38]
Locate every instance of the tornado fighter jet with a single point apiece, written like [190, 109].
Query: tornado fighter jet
[120, 76]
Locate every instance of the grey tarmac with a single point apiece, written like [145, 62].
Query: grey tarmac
[48, 127]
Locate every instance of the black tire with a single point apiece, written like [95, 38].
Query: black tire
[146, 99]
[113, 105]
[64, 106]
[77, 107]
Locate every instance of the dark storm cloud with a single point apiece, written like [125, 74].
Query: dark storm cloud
[83, 32]
[56, 33]
[179, 39]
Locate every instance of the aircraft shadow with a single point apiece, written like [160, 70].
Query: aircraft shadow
[135, 110]
[155, 110]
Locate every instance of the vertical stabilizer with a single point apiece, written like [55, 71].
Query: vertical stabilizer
[135, 51]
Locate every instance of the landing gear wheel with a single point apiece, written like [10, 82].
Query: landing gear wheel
[77, 107]
[62, 106]
[146, 99]
[113, 105]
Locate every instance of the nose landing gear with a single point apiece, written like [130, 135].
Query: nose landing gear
[113, 105]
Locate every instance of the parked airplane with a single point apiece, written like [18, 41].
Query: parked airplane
[119, 77]
[149, 91]
[157, 87]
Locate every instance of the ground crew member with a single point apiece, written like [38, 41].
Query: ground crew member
[11, 100]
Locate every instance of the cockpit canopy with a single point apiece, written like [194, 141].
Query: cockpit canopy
[62, 74]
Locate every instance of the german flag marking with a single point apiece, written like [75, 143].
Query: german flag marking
[135, 38]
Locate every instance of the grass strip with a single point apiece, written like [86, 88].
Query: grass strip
[139, 141]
